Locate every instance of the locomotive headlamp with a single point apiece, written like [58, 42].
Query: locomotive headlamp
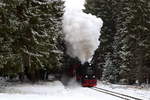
[93, 76]
[86, 76]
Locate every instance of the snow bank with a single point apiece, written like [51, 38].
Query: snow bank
[134, 91]
[52, 91]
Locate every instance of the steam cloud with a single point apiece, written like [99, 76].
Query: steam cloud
[81, 30]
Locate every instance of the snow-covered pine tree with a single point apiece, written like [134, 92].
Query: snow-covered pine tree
[8, 60]
[131, 25]
[36, 31]
[121, 43]
[140, 33]
[110, 71]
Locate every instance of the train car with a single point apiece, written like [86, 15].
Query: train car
[86, 75]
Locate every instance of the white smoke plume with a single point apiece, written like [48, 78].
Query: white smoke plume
[81, 30]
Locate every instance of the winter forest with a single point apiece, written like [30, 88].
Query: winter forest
[33, 44]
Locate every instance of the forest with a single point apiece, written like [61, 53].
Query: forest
[32, 42]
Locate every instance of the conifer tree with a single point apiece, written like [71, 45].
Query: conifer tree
[34, 29]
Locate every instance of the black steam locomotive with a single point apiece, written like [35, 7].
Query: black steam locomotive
[86, 75]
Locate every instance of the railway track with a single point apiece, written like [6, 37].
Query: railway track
[116, 94]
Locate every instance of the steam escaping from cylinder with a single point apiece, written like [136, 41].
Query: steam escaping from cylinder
[81, 31]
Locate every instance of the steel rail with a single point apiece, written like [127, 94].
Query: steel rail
[116, 94]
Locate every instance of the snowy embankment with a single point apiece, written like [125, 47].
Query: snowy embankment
[57, 91]
[135, 91]
[51, 91]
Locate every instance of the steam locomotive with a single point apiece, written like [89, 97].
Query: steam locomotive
[85, 74]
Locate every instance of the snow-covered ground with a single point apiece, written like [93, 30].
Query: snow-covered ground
[135, 91]
[57, 91]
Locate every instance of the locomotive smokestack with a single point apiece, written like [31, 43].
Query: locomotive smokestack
[81, 30]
